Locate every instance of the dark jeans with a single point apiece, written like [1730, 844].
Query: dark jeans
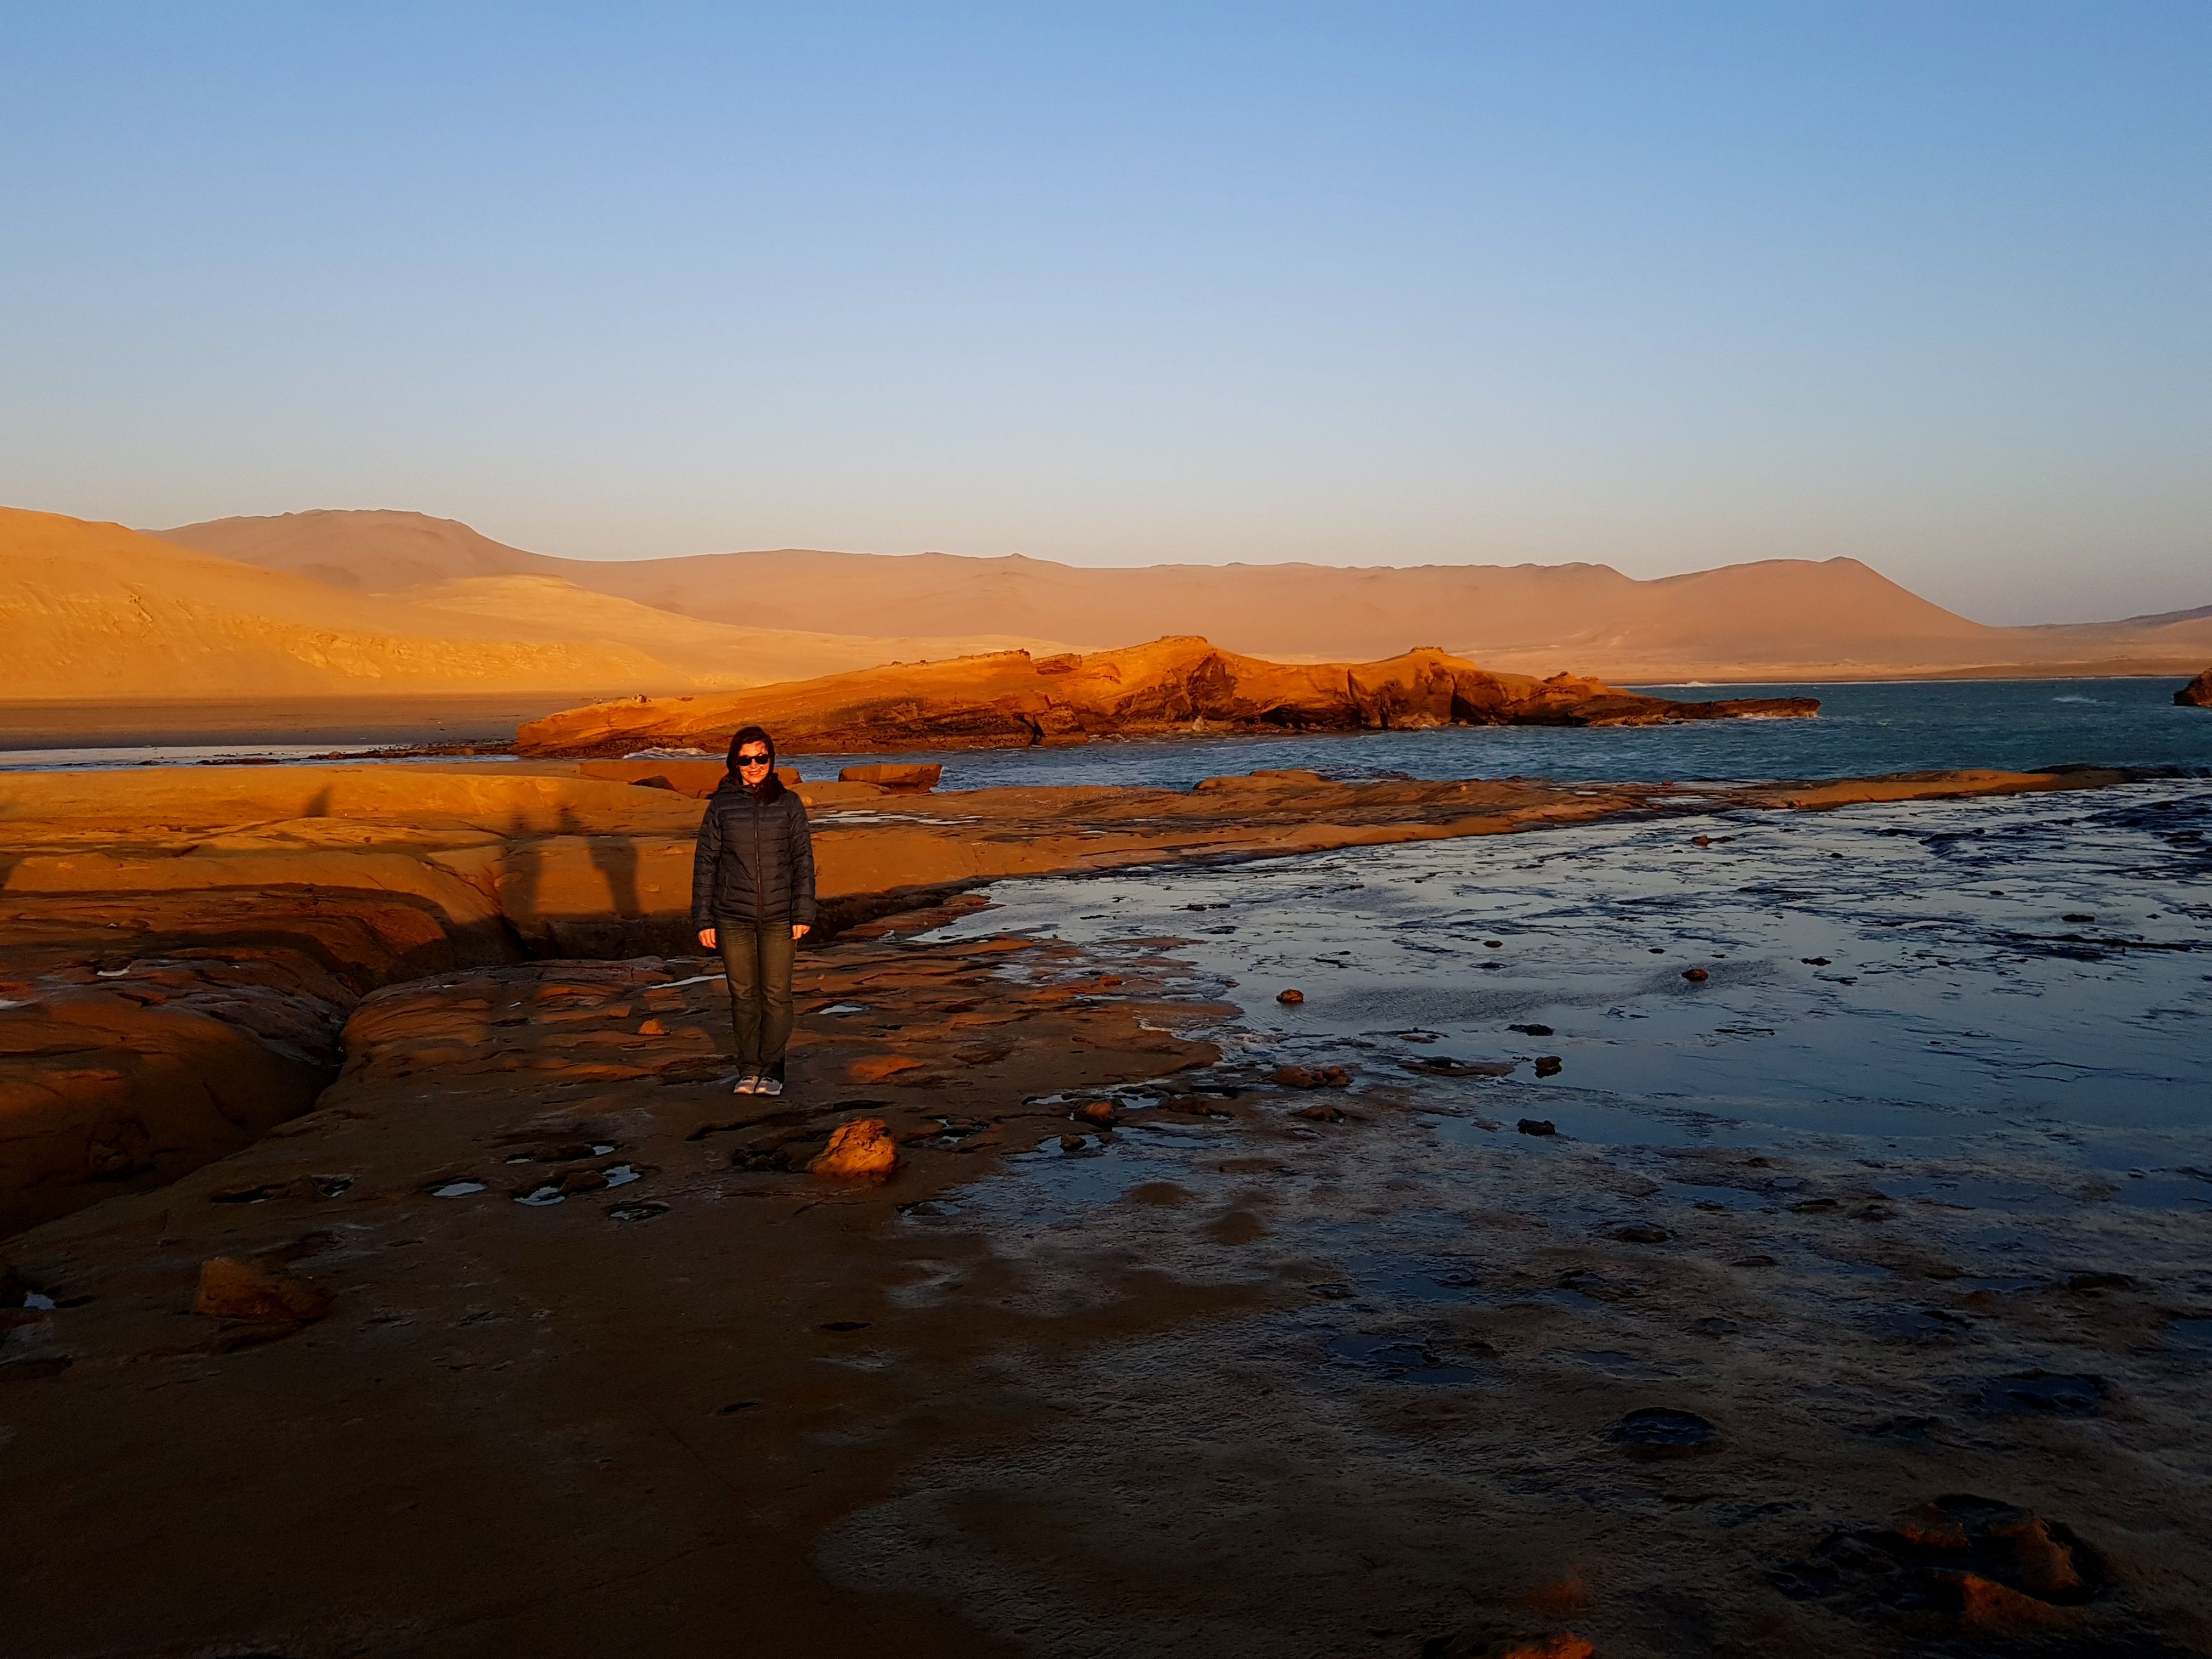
[759, 963]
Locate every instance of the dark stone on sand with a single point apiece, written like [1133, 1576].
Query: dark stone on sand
[2093, 1282]
[1507, 1642]
[1531, 1031]
[1445, 1066]
[1814, 962]
[1323, 1114]
[1317, 1077]
[1548, 1065]
[1662, 1431]
[36, 1370]
[1537, 1126]
[2040, 1390]
[1100, 1112]
[1292, 996]
[1695, 975]
[1641, 1232]
[1162, 1192]
[1715, 1325]
[2076, 915]
[1072, 1143]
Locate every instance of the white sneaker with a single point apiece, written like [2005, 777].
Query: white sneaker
[769, 1084]
[749, 1084]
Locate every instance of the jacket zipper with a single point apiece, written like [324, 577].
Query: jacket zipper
[760, 882]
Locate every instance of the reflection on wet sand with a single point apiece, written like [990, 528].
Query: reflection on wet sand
[1512, 1291]
[1908, 1199]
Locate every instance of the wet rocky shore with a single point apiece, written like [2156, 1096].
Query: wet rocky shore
[1190, 1320]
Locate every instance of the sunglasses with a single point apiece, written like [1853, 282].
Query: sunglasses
[752, 760]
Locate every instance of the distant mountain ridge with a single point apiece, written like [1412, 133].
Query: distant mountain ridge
[94, 611]
[1772, 619]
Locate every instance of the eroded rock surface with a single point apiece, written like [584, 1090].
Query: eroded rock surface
[1011, 699]
[179, 946]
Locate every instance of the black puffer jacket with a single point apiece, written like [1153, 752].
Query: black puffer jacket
[755, 862]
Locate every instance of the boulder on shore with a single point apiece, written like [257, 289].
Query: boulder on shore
[918, 777]
[230, 1288]
[862, 1150]
[2197, 694]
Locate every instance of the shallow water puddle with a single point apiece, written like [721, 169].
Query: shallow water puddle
[1895, 973]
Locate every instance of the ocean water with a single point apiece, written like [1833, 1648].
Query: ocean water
[1861, 729]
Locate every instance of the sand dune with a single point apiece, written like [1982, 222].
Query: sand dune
[1777, 618]
[374, 552]
[97, 610]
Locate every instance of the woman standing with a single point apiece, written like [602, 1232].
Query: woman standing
[752, 893]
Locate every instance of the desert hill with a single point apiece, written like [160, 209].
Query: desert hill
[91, 611]
[375, 552]
[1772, 619]
[1171, 687]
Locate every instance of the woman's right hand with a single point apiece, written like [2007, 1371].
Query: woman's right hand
[706, 937]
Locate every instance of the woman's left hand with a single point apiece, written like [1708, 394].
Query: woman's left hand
[798, 931]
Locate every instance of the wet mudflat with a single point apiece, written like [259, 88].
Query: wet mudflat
[1814, 1306]
[1819, 1262]
[1946, 979]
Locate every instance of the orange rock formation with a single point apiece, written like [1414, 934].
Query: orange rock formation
[1172, 686]
[2197, 694]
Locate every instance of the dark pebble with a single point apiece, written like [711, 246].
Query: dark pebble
[1663, 1432]
[1531, 1031]
[1538, 1126]
[1548, 1065]
[2100, 1282]
[1695, 974]
[2044, 1391]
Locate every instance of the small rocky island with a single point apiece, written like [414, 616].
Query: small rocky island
[1174, 687]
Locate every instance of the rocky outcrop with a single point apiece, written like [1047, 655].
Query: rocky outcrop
[2197, 694]
[182, 948]
[1172, 686]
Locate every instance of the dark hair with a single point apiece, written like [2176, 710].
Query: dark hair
[773, 785]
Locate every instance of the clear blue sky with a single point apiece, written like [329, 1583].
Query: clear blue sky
[1659, 285]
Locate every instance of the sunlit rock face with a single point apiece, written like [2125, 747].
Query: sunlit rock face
[1011, 699]
[2197, 694]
